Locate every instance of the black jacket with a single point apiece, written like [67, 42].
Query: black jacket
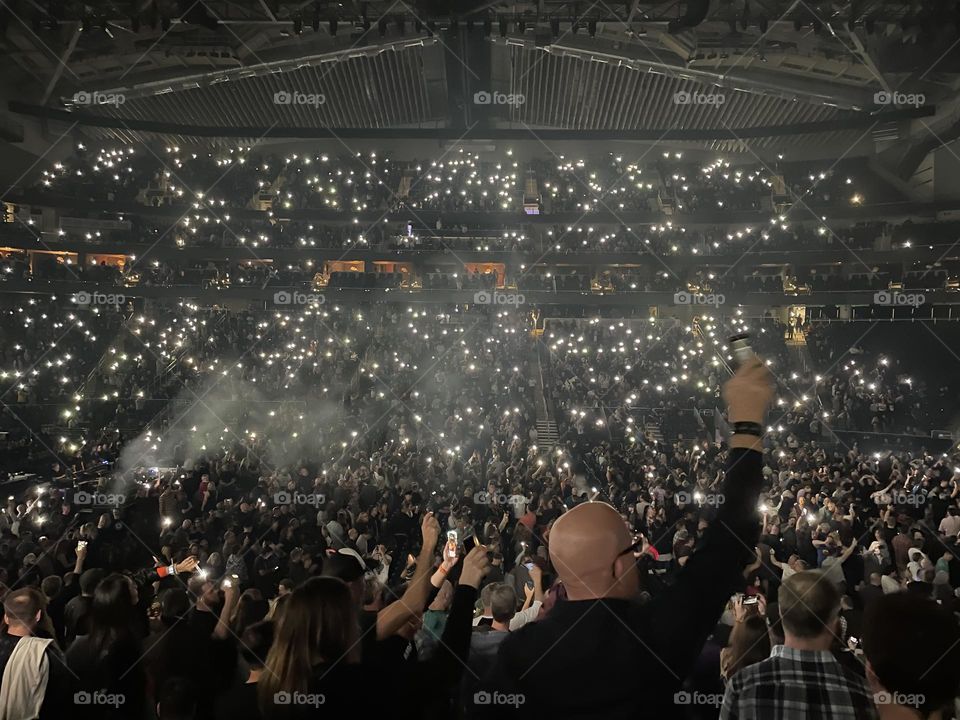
[620, 659]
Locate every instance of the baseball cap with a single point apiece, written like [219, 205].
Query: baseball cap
[345, 564]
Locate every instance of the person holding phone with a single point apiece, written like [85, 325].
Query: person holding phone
[636, 656]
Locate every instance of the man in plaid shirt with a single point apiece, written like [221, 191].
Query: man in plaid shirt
[801, 678]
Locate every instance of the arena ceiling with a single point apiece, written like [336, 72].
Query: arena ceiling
[788, 73]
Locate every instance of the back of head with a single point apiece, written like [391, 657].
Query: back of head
[487, 594]
[912, 647]
[255, 643]
[503, 603]
[51, 586]
[177, 700]
[111, 618]
[809, 604]
[749, 644]
[21, 608]
[318, 625]
[89, 580]
[174, 604]
[586, 544]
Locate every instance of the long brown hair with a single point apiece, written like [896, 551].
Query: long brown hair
[749, 644]
[318, 625]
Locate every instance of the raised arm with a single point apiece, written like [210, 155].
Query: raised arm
[394, 616]
[682, 618]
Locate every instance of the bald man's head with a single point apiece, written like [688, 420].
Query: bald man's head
[587, 550]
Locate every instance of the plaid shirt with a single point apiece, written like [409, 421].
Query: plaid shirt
[793, 684]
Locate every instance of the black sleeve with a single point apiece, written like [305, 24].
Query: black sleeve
[682, 617]
[443, 671]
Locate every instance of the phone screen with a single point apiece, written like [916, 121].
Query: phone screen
[528, 565]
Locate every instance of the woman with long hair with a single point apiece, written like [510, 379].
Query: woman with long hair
[106, 660]
[315, 659]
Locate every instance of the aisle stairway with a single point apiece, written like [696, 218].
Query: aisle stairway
[546, 434]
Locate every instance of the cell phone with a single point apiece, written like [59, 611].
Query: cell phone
[469, 544]
[528, 565]
[81, 544]
[751, 600]
[452, 535]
